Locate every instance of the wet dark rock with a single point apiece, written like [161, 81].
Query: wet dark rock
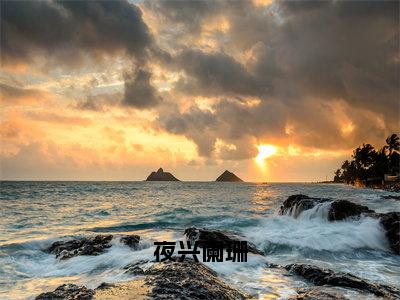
[89, 246]
[206, 236]
[296, 204]
[136, 268]
[105, 285]
[343, 209]
[339, 209]
[394, 197]
[130, 240]
[319, 276]
[391, 224]
[68, 292]
[188, 280]
[160, 175]
[228, 176]
[318, 293]
[86, 246]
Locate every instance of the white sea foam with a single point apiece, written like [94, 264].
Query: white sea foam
[311, 230]
[34, 215]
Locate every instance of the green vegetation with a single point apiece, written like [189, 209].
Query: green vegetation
[371, 165]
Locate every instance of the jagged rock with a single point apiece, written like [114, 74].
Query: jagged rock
[391, 223]
[343, 209]
[318, 293]
[228, 176]
[207, 236]
[136, 267]
[320, 276]
[68, 292]
[130, 240]
[88, 246]
[339, 209]
[394, 197]
[160, 175]
[105, 285]
[188, 280]
[296, 204]
[168, 280]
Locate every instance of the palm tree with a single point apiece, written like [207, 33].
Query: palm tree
[393, 144]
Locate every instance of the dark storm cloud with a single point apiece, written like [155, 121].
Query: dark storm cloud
[190, 14]
[230, 121]
[297, 58]
[340, 49]
[216, 73]
[307, 55]
[198, 125]
[139, 92]
[68, 29]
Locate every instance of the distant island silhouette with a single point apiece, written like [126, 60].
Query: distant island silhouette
[228, 176]
[160, 175]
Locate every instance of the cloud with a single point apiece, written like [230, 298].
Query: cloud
[69, 30]
[67, 33]
[216, 74]
[98, 102]
[320, 74]
[58, 119]
[19, 95]
[301, 60]
[139, 92]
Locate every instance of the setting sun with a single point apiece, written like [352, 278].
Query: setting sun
[265, 151]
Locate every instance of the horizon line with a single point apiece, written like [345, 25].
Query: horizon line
[88, 180]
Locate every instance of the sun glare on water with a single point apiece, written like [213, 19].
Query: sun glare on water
[264, 151]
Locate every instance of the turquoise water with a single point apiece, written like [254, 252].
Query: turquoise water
[34, 214]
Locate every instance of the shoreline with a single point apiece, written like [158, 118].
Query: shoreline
[276, 235]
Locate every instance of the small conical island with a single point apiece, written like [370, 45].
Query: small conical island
[160, 175]
[228, 176]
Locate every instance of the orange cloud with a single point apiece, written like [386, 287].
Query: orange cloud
[12, 95]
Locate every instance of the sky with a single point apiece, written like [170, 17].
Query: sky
[270, 90]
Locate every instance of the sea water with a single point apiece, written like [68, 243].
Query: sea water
[35, 214]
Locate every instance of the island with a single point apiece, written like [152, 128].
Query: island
[228, 176]
[160, 175]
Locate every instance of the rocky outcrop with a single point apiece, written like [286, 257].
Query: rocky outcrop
[321, 277]
[319, 293]
[296, 204]
[206, 236]
[131, 240]
[89, 246]
[188, 280]
[394, 197]
[136, 268]
[168, 280]
[391, 224]
[160, 175]
[343, 209]
[339, 209]
[228, 176]
[68, 292]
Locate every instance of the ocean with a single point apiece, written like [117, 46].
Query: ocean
[35, 214]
